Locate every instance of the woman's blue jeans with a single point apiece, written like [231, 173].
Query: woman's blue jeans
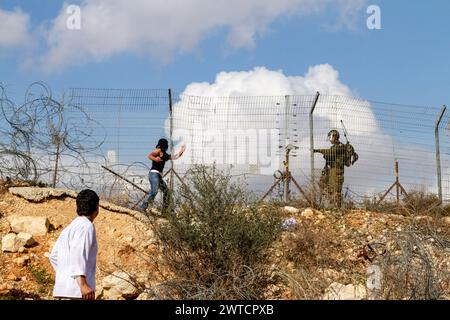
[156, 182]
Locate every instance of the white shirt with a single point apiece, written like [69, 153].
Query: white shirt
[74, 254]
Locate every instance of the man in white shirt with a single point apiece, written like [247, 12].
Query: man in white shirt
[74, 254]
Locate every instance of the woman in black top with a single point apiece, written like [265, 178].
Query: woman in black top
[159, 157]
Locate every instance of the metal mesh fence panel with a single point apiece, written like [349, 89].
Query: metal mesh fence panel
[245, 136]
[131, 122]
[248, 136]
[382, 134]
[444, 142]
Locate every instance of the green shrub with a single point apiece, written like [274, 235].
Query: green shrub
[218, 240]
[42, 277]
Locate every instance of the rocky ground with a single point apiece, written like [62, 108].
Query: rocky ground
[120, 237]
[320, 255]
[330, 255]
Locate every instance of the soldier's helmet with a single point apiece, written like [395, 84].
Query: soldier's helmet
[333, 135]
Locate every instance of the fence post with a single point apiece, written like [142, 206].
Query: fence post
[287, 102]
[311, 134]
[286, 120]
[438, 153]
[171, 182]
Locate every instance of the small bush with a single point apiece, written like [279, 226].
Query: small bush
[311, 247]
[415, 203]
[312, 250]
[217, 241]
[42, 277]
[420, 203]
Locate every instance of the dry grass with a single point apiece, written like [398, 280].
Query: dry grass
[312, 252]
[417, 203]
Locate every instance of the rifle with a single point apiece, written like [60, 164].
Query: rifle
[345, 131]
[354, 156]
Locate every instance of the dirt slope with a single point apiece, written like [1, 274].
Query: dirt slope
[322, 248]
[119, 236]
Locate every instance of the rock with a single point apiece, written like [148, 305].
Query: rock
[16, 243]
[426, 218]
[446, 220]
[273, 291]
[98, 292]
[128, 239]
[338, 291]
[12, 243]
[291, 266]
[5, 288]
[150, 234]
[47, 254]
[36, 226]
[115, 208]
[23, 278]
[146, 296]
[22, 261]
[12, 277]
[34, 257]
[26, 238]
[36, 194]
[119, 286]
[291, 210]
[55, 226]
[331, 274]
[9, 243]
[308, 213]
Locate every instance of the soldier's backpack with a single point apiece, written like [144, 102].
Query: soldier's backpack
[350, 155]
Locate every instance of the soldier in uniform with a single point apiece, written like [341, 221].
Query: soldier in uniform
[337, 158]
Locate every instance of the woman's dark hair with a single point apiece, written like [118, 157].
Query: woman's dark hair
[163, 144]
[87, 202]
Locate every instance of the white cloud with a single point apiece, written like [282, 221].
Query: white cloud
[246, 103]
[161, 28]
[14, 29]
[255, 100]
[263, 82]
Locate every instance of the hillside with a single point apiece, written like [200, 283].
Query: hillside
[119, 236]
[319, 255]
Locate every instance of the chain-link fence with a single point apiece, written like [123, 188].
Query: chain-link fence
[249, 136]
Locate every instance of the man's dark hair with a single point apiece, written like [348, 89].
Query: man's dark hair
[163, 144]
[87, 202]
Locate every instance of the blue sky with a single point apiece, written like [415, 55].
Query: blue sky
[158, 44]
[405, 62]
